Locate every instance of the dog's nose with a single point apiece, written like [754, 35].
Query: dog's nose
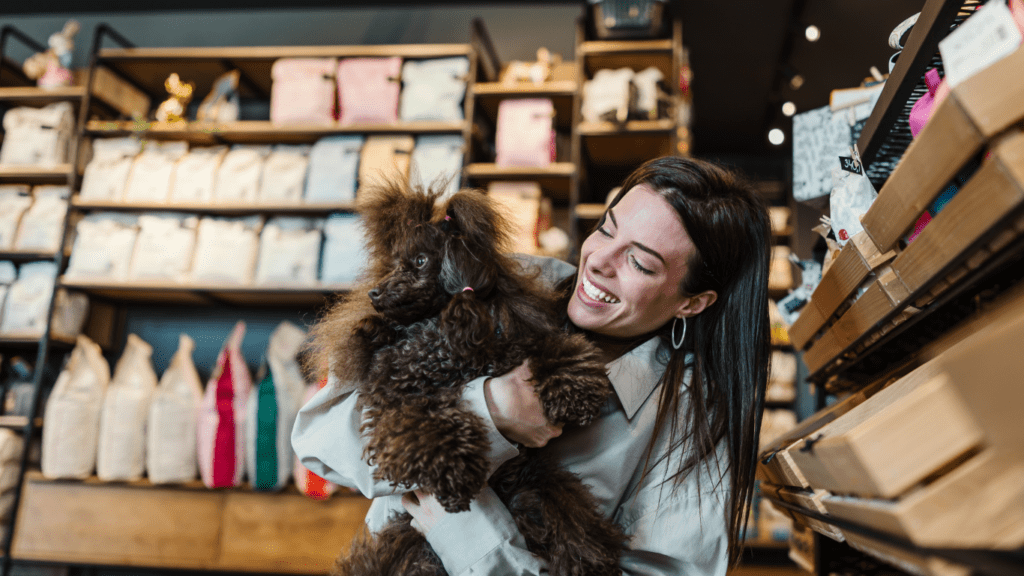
[374, 294]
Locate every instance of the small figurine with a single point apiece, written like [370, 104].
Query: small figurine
[537, 72]
[221, 104]
[50, 69]
[173, 109]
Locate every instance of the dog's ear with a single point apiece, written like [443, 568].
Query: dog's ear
[390, 208]
[476, 238]
[467, 320]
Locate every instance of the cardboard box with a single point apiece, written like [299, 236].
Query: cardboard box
[974, 112]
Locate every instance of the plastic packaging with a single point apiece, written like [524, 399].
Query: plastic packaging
[344, 253]
[333, 169]
[28, 300]
[164, 247]
[103, 247]
[284, 175]
[150, 178]
[303, 91]
[195, 175]
[239, 174]
[226, 250]
[436, 160]
[525, 133]
[368, 90]
[289, 251]
[42, 225]
[433, 89]
[38, 136]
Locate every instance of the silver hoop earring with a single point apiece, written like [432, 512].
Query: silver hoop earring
[679, 344]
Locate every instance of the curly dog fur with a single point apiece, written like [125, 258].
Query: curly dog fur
[441, 304]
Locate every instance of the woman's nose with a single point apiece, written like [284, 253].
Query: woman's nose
[600, 260]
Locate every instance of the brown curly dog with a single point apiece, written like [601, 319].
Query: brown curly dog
[440, 305]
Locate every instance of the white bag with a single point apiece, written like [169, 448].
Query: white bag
[195, 175]
[173, 417]
[226, 249]
[38, 136]
[70, 309]
[150, 178]
[437, 159]
[15, 200]
[103, 247]
[72, 415]
[289, 251]
[42, 225]
[239, 174]
[28, 300]
[106, 175]
[433, 89]
[122, 444]
[525, 134]
[11, 446]
[271, 412]
[333, 165]
[284, 175]
[606, 97]
[344, 254]
[163, 249]
[384, 158]
[646, 83]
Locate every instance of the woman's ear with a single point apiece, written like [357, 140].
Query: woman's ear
[693, 305]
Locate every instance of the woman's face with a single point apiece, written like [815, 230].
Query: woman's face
[631, 268]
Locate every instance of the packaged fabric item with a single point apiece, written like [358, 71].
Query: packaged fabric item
[607, 96]
[195, 175]
[385, 157]
[106, 175]
[520, 201]
[922, 109]
[8, 273]
[221, 424]
[525, 134]
[11, 446]
[103, 247]
[368, 90]
[226, 249]
[173, 419]
[289, 251]
[284, 175]
[344, 252]
[164, 246]
[780, 274]
[122, 443]
[150, 178]
[651, 101]
[38, 136]
[852, 196]
[15, 200]
[303, 91]
[28, 300]
[42, 225]
[70, 309]
[239, 174]
[222, 103]
[272, 409]
[72, 415]
[333, 164]
[307, 482]
[437, 159]
[433, 89]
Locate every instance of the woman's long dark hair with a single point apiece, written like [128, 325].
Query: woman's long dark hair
[730, 340]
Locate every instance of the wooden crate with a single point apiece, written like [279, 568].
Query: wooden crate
[811, 500]
[190, 528]
[978, 504]
[904, 560]
[975, 110]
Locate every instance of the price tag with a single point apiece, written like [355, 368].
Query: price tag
[983, 39]
[850, 165]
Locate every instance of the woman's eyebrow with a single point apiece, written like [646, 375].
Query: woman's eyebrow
[650, 251]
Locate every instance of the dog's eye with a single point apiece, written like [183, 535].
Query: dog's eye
[421, 261]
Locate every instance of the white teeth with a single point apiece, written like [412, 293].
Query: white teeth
[597, 294]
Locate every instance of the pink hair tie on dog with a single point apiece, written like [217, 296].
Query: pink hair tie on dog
[467, 289]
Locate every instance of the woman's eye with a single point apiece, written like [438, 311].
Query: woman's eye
[421, 260]
[605, 232]
[637, 265]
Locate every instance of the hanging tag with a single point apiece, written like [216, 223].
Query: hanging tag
[850, 165]
[986, 37]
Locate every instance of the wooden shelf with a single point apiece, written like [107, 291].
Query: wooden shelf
[259, 131]
[206, 294]
[57, 174]
[274, 52]
[32, 340]
[18, 422]
[594, 47]
[25, 255]
[226, 209]
[592, 211]
[666, 125]
[33, 96]
[554, 179]
[525, 89]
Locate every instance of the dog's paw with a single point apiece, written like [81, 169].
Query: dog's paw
[574, 394]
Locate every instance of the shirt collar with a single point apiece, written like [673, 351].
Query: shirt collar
[636, 374]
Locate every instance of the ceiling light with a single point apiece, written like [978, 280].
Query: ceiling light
[796, 82]
[812, 33]
[776, 136]
[789, 108]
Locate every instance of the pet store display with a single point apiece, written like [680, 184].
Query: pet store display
[28, 300]
[222, 416]
[52, 67]
[303, 91]
[15, 200]
[226, 249]
[333, 169]
[150, 177]
[239, 174]
[104, 242]
[289, 251]
[164, 247]
[384, 158]
[368, 90]
[273, 405]
[525, 134]
[106, 175]
[72, 416]
[437, 159]
[38, 136]
[122, 441]
[284, 175]
[433, 89]
[42, 225]
[344, 254]
[173, 420]
[195, 175]
[449, 444]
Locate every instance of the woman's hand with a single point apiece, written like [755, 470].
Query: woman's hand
[426, 511]
[516, 408]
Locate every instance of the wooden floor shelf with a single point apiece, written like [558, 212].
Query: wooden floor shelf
[182, 527]
[222, 209]
[57, 174]
[206, 294]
